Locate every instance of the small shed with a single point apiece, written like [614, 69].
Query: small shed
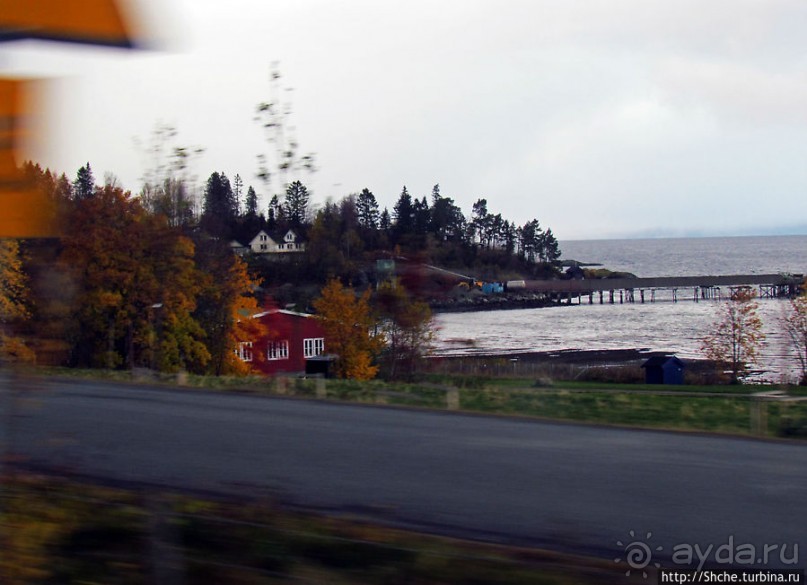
[664, 369]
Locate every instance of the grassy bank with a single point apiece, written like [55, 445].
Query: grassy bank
[718, 408]
[59, 531]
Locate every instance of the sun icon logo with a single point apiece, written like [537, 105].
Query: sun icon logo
[638, 554]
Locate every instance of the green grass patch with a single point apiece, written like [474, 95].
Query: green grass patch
[788, 419]
[517, 383]
[686, 388]
[728, 414]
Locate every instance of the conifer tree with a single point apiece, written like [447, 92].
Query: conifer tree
[385, 221]
[276, 214]
[403, 213]
[296, 204]
[219, 211]
[84, 185]
[251, 203]
[550, 250]
[367, 209]
[421, 216]
[446, 221]
[238, 187]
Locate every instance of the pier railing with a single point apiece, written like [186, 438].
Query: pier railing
[631, 290]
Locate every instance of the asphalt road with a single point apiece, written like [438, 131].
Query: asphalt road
[561, 486]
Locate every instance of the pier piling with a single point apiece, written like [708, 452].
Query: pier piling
[769, 286]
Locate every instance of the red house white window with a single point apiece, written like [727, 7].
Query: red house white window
[313, 346]
[291, 339]
[244, 351]
[277, 350]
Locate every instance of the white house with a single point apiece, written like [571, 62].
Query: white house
[263, 243]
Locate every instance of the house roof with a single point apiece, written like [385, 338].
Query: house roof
[281, 234]
[283, 312]
[262, 232]
[659, 361]
[276, 236]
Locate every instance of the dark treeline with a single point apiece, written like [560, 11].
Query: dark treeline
[344, 237]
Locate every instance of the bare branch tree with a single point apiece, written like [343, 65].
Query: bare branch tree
[736, 334]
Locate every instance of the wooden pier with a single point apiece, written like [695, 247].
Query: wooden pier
[641, 290]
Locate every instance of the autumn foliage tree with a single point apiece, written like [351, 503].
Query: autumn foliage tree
[172, 331]
[226, 305]
[348, 323]
[100, 254]
[241, 304]
[736, 335]
[13, 302]
[136, 285]
[135, 288]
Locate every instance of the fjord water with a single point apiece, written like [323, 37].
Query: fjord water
[661, 326]
[694, 256]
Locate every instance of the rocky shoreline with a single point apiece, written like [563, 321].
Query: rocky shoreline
[460, 304]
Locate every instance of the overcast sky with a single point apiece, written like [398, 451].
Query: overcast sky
[610, 118]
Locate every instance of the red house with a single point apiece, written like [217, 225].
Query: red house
[293, 338]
